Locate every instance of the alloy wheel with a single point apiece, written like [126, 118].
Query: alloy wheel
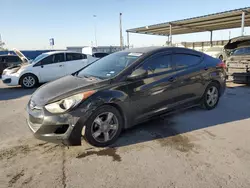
[29, 81]
[104, 127]
[212, 96]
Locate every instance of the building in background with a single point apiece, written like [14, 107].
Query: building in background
[204, 45]
[90, 50]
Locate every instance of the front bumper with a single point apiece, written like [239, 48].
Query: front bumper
[10, 80]
[63, 129]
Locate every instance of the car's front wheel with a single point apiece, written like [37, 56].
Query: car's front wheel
[28, 81]
[104, 126]
[211, 96]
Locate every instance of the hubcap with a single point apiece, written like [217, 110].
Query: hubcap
[104, 127]
[212, 96]
[28, 81]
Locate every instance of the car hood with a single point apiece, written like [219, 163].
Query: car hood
[65, 87]
[237, 42]
[15, 68]
[21, 56]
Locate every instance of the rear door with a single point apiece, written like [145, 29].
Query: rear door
[74, 62]
[157, 92]
[189, 73]
[51, 67]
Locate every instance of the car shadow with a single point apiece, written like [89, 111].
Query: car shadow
[233, 106]
[9, 93]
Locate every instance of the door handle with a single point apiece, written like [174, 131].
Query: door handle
[205, 68]
[60, 65]
[172, 79]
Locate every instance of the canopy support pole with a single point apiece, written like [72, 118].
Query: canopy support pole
[128, 39]
[170, 33]
[211, 38]
[242, 22]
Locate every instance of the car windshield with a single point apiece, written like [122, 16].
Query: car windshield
[214, 49]
[38, 58]
[109, 66]
[241, 51]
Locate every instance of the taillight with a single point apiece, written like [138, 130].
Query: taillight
[221, 65]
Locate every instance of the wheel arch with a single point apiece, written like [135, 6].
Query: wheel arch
[27, 73]
[124, 117]
[217, 83]
[213, 81]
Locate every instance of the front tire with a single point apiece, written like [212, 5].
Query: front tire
[211, 96]
[104, 126]
[28, 81]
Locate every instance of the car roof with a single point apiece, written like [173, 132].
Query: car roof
[145, 49]
[240, 38]
[154, 49]
[242, 47]
[56, 52]
[8, 55]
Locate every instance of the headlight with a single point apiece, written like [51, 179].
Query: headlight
[68, 103]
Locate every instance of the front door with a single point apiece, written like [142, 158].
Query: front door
[157, 92]
[51, 67]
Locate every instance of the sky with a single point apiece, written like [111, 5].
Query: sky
[29, 24]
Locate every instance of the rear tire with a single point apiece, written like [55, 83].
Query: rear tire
[98, 131]
[28, 81]
[211, 96]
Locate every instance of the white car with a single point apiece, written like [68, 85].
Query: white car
[216, 52]
[44, 68]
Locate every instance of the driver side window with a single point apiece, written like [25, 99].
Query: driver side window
[47, 60]
[157, 64]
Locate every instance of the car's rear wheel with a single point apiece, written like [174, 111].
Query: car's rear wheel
[211, 96]
[104, 126]
[28, 81]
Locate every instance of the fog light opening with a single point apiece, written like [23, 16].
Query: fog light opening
[61, 129]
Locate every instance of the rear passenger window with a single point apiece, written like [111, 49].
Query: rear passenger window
[75, 56]
[84, 56]
[185, 60]
[59, 58]
[161, 63]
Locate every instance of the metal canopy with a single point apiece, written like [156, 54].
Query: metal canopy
[223, 20]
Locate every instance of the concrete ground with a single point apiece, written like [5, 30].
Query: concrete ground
[195, 148]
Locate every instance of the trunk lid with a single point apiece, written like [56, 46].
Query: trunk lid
[237, 42]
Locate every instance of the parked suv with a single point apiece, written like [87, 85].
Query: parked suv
[44, 68]
[238, 63]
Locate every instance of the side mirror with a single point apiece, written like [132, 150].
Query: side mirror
[138, 74]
